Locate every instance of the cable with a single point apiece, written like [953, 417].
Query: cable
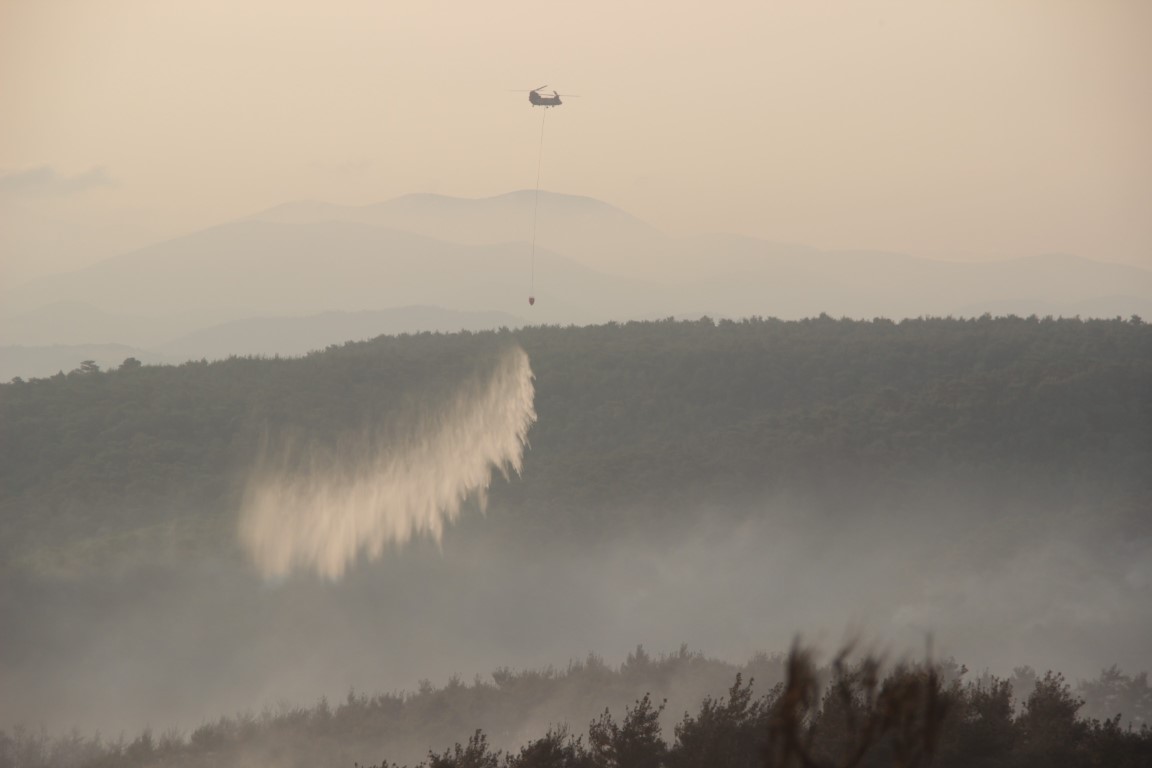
[535, 211]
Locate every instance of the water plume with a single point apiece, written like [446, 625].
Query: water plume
[317, 508]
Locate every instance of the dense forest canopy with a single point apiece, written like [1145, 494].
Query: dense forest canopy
[639, 416]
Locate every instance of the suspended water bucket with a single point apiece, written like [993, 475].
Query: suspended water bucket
[531, 300]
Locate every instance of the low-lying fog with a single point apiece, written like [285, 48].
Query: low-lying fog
[166, 647]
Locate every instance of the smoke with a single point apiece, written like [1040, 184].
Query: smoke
[310, 507]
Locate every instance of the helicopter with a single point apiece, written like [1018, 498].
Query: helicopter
[543, 100]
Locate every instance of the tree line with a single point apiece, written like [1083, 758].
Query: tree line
[847, 712]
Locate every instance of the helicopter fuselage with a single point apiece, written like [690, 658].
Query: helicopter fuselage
[544, 101]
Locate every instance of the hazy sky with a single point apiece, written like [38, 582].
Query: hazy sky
[973, 130]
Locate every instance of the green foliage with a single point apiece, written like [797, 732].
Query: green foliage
[475, 754]
[982, 730]
[1051, 734]
[1115, 693]
[652, 418]
[634, 743]
[726, 733]
[864, 718]
[556, 749]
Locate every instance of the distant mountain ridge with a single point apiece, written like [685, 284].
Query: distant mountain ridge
[246, 268]
[258, 336]
[42, 362]
[593, 263]
[561, 219]
[293, 336]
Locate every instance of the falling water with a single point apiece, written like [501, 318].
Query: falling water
[313, 509]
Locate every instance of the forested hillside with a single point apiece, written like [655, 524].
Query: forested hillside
[722, 484]
[641, 416]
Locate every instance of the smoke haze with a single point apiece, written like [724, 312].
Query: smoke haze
[318, 509]
[835, 331]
